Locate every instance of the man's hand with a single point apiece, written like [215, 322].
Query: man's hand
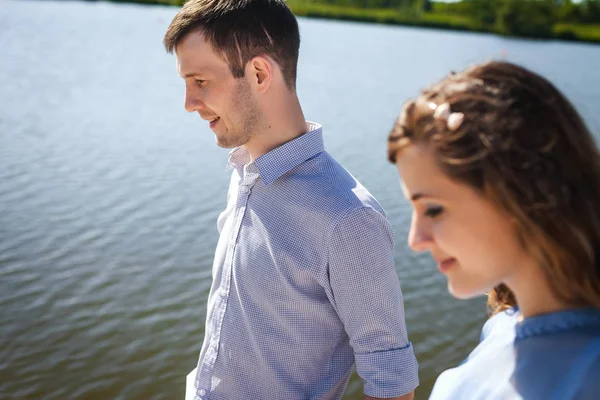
[408, 396]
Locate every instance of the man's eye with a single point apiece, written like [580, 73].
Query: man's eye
[433, 211]
[200, 82]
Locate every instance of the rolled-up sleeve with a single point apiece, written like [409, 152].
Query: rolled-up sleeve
[368, 299]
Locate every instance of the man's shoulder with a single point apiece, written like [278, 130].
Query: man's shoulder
[338, 185]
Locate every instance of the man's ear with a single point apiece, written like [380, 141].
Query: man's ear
[261, 73]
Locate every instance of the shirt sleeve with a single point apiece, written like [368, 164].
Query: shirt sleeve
[368, 299]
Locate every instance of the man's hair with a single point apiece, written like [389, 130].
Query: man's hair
[239, 30]
[524, 147]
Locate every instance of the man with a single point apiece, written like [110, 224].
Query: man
[304, 284]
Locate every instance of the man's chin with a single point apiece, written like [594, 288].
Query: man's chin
[227, 144]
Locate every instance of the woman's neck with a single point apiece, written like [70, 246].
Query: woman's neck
[533, 292]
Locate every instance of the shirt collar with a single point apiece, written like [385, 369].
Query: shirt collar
[558, 321]
[282, 159]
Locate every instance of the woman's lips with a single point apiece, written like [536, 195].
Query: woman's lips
[445, 265]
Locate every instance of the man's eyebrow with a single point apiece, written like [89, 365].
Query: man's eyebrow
[197, 71]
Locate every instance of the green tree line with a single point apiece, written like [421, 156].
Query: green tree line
[566, 19]
[523, 17]
[531, 18]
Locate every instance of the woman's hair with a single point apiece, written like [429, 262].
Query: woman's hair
[512, 136]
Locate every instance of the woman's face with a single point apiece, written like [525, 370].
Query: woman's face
[474, 244]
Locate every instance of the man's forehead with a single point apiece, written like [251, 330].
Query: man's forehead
[189, 63]
[195, 55]
[193, 41]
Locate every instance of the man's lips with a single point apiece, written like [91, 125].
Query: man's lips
[213, 121]
[209, 119]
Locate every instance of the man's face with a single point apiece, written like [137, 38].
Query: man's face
[215, 94]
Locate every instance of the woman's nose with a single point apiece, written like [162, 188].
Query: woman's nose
[419, 236]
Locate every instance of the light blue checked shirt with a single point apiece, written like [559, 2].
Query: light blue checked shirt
[304, 285]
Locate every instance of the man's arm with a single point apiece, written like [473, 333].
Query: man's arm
[367, 297]
[408, 396]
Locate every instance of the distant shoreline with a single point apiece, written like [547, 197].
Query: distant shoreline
[572, 32]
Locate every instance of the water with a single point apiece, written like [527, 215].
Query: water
[109, 191]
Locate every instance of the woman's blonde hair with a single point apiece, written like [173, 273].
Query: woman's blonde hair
[523, 146]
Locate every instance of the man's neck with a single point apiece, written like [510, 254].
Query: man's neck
[284, 122]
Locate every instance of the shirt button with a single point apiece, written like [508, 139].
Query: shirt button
[202, 392]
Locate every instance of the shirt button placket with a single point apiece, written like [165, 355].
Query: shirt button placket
[242, 199]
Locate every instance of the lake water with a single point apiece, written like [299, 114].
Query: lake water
[109, 190]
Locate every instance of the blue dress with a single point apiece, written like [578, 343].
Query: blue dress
[554, 356]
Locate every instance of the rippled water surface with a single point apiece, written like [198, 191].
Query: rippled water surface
[109, 191]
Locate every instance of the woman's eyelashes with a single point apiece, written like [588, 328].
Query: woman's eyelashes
[433, 211]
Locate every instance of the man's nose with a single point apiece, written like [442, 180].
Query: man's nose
[193, 102]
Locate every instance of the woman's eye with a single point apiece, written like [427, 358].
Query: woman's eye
[433, 211]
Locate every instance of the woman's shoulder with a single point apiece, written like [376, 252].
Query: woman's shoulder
[501, 323]
[569, 367]
[590, 382]
[486, 371]
[553, 356]
[561, 352]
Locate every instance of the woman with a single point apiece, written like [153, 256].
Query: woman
[504, 180]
